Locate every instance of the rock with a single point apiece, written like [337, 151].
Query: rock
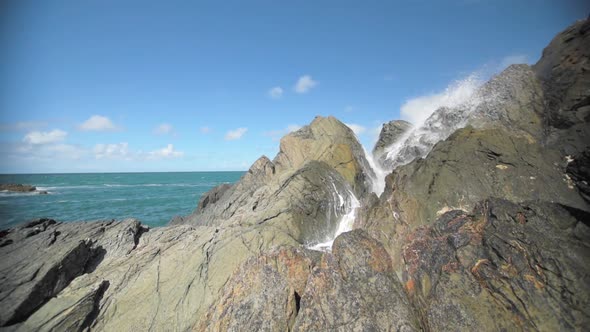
[307, 203]
[212, 196]
[512, 100]
[564, 69]
[263, 294]
[355, 289]
[471, 165]
[331, 141]
[578, 171]
[49, 255]
[475, 164]
[391, 132]
[21, 188]
[118, 275]
[506, 266]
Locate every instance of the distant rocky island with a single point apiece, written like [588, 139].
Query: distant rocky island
[476, 220]
[20, 188]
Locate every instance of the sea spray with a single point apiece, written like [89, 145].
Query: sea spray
[435, 117]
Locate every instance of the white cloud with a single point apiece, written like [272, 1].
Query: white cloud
[357, 129]
[121, 151]
[167, 152]
[304, 84]
[39, 137]
[235, 134]
[205, 130]
[349, 109]
[98, 123]
[276, 92]
[112, 151]
[513, 59]
[163, 129]
[418, 109]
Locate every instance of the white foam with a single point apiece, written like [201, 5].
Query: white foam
[345, 223]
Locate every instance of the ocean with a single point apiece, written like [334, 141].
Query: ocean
[153, 198]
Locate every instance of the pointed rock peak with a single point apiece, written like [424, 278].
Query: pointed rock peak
[390, 133]
[262, 167]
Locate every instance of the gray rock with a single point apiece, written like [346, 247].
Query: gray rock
[564, 70]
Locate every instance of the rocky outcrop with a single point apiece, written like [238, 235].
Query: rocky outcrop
[390, 133]
[564, 70]
[264, 294]
[505, 266]
[512, 100]
[20, 188]
[328, 140]
[436, 251]
[355, 289]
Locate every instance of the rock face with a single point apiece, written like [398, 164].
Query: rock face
[483, 225]
[512, 100]
[391, 132]
[355, 289]
[565, 74]
[505, 267]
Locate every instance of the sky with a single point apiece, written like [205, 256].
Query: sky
[132, 86]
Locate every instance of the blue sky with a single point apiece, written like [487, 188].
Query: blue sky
[211, 85]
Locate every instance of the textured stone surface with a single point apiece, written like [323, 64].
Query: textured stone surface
[355, 289]
[505, 267]
[564, 70]
[263, 294]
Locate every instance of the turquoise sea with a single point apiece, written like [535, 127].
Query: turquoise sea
[153, 198]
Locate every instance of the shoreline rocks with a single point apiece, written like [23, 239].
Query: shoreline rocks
[482, 225]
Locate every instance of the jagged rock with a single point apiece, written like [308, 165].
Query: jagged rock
[512, 100]
[506, 267]
[475, 164]
[355, 289]
[564, 70]
[391, 132]
[263, 294]
[307, 203]
[471, 165]
[213, 195]
[49, 255]
[115, 276]
[578, 170]
[331, 141]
